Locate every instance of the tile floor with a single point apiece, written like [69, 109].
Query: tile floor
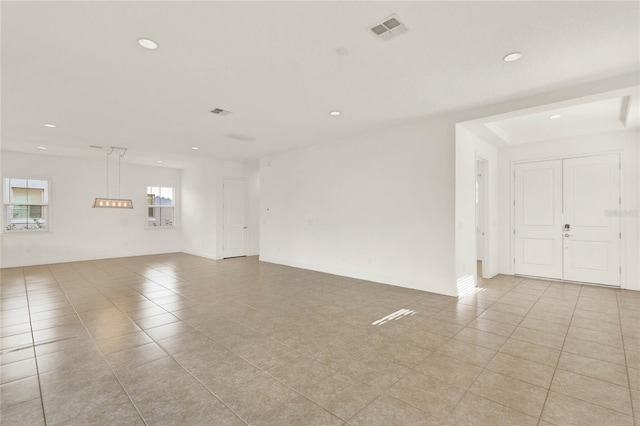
[177, 339]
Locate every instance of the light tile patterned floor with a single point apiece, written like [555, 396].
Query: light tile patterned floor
[177, 339]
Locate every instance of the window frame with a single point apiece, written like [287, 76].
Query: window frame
[159, 207]
[6, 203]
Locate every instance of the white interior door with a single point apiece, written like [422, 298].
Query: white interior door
[538, 219]
[234, 212]
[591, 187]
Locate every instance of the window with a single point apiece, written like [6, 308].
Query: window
[26, 204]
[160, 206]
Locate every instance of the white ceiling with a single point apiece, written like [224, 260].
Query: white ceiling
[584, 118]
[275, 66]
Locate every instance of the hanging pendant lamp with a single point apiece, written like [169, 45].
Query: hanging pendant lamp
[113, 203]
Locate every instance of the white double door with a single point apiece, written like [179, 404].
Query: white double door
[564, 226]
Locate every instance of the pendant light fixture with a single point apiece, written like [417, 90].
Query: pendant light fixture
[113, 203]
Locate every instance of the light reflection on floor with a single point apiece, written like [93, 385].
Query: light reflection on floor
[394, 316]
[178, 339]
[467, 286]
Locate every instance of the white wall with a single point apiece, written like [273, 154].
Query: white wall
[378, 206]
[202, 195]
[468, 148]
[198, 199]
[624, 142]
[381, 206]
[252, 176]
[79, 232]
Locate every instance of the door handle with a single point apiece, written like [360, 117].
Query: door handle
[567, 235]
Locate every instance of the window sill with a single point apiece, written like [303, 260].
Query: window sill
[27, 232]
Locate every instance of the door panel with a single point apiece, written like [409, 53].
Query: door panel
[591, 187]
[538, 192]
[538, 251]
[234, 218]
[538, 219]
[589, 256]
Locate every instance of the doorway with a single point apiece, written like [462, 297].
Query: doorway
[234, 214]
[563, 223]
[481, 213]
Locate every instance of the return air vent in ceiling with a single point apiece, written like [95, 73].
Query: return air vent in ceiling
[389, 28]
[220, 111]
[240, 137]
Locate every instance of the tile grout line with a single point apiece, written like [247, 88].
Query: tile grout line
[483, 368]
[154, 341]
[266, 372]
[413, 369]
[581, 293]
[560, 356]
[518, 325]
[584, 375]
[436, 350]
[263, 372]
[626, 364]
[586, 356]
[171, 356]
[384, 393]
[189, 372]
[33, 342]
[498, 351]
[318, 405]
[96, 346]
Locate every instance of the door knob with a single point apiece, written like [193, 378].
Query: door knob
[567, 235]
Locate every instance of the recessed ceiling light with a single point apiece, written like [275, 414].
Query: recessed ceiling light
[49, 125]
[194, 147]
[147, 44]
[554, 116]
[159, 161]
[42, 147]
[335, 113]
[513, 56]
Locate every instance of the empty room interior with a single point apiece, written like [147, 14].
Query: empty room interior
[320, 213]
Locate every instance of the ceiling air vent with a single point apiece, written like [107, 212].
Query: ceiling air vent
[389, 28]
[220, 111]
[238, 136]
